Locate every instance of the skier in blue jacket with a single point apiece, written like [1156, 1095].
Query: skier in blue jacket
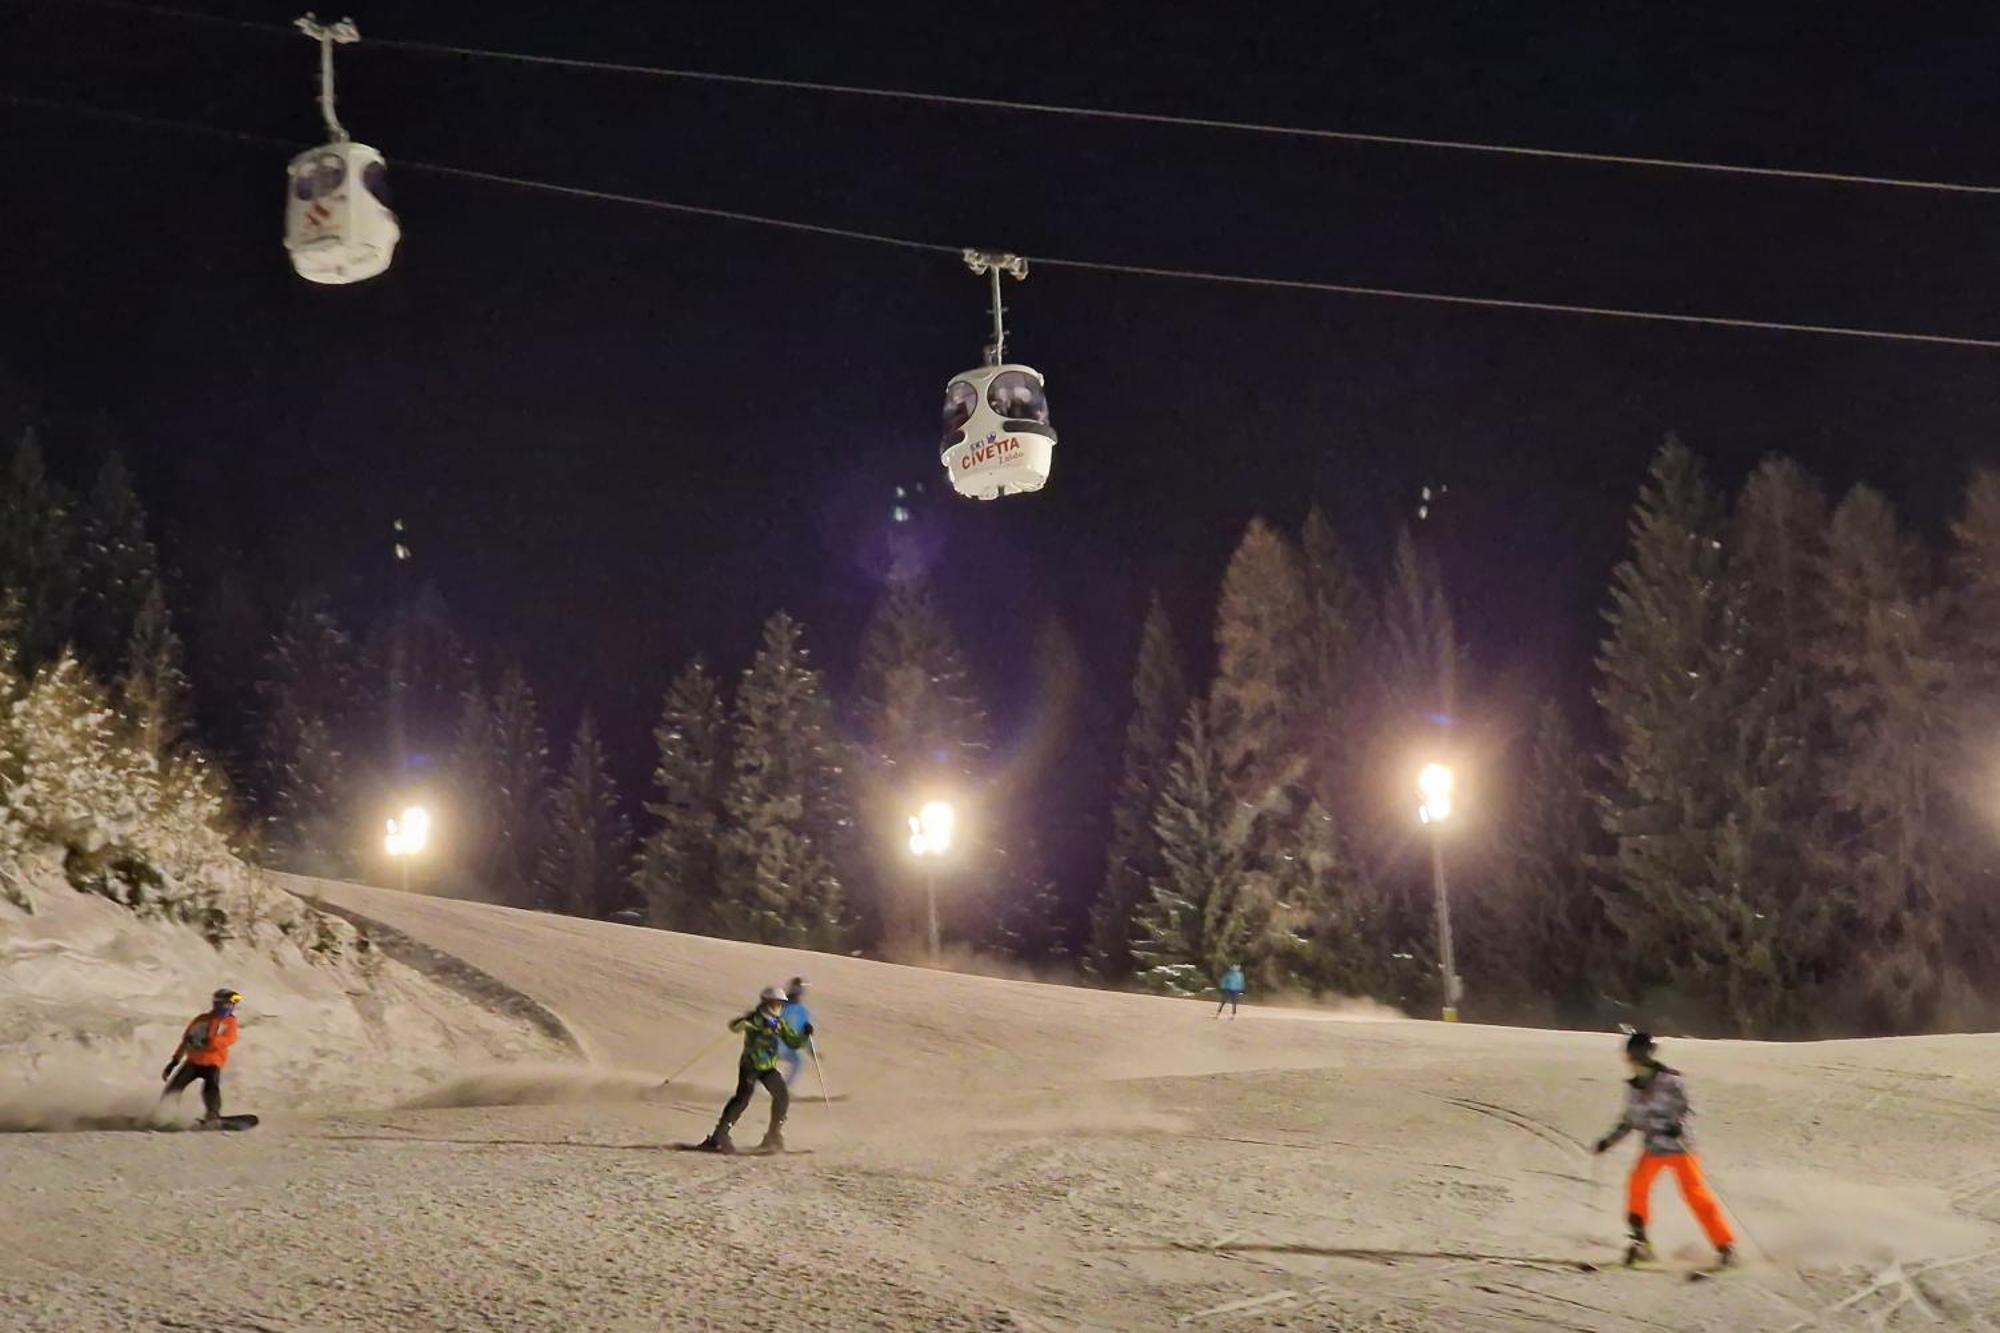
[1232, 990]
[798, 1018]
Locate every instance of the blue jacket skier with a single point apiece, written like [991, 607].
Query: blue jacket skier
[1232, 990]
[798, 1018]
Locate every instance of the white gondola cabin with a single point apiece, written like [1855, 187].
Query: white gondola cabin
[338, 224]
[997, 436]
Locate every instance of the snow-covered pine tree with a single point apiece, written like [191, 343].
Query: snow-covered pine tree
[303, 762]
[1890, 689]
[1974, 645]
[676, 874]
[1132, 860]
[786, 803]
[1195, 920]
[115, 566]
[520, 802]
[584, 860]
[154, 691]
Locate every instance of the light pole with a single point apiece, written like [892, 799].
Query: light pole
[409, 834]
[1435, 784]
[930, 838]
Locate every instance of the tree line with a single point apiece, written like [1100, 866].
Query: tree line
[1780, 824]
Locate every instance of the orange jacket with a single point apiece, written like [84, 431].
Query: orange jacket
[207, 1041]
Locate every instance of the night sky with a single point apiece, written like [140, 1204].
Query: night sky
[621, 437]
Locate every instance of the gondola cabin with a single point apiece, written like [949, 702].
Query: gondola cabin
[338, 224]
[997, 436]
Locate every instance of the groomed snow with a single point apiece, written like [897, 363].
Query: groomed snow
[1004, 1155]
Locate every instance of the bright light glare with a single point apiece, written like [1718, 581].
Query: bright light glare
[931, 829]
[1436, 783]
[410, 834]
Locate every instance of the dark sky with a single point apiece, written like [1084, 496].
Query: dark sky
[622, 436]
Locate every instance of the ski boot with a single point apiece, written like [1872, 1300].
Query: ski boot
[1725, 1259]
[774, 1140]
[1639, 1250]
[717, 1142]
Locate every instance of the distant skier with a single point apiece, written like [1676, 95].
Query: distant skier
[1232, 991]
[1656, 1104]
[796, 1016]
[765, 1032]
[203, 1052]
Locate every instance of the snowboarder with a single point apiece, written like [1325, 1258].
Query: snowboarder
[1232, 991]
[1656, 1104]
[203, 1052]
[796, 1016]
[764, 1032]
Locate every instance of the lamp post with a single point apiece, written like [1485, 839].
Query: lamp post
[1435, 784]
[409, 834]
[930, 838]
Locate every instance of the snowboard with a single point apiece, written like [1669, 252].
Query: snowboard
[229, 1122]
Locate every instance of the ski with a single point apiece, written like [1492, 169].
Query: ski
[228, 1122]
[743, 1152]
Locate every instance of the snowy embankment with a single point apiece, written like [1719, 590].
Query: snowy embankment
[124, 906]
[93, 996]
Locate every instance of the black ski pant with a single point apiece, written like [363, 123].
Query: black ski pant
[747, 1079]
[1229, 999]
[211, 1086]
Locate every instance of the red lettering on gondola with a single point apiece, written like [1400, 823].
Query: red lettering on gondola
[988, 453]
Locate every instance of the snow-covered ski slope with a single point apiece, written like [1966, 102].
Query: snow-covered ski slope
[1012, 1156]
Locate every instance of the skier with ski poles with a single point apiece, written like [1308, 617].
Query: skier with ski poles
[1656, 1104]
[202, 1054]
[1232, 991]
[764, 1032]
[796, 1016]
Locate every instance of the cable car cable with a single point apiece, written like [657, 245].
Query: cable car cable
[1103, 113]
[1088, 265]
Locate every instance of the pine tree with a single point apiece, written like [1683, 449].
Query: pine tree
[1132, 863]
[1974, 645]
[36, 546]
[520, 803]
[677, 868]
[115, 565]
[304, 765]
[786, 805]
[1422, 661]
[1264, 645]
[1197, 919]
[154, 689]
[1047, 821]
[1340, 699]
[1684, 808]
[1889, 688]
[1541, 930]
[583, 867]
[925, 733]
[478, 785]
[1770, 861]
[420, 669]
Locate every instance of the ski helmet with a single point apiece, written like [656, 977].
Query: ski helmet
[1639, 1046]
[771, 995]
[795, 988]
[226, 996]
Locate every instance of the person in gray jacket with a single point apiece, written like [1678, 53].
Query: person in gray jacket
[1656, 1104]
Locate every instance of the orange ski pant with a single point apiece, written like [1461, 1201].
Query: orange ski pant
[1687, 1168]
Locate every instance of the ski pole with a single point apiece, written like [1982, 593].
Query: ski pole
[812, 1049]
[696, 1056]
